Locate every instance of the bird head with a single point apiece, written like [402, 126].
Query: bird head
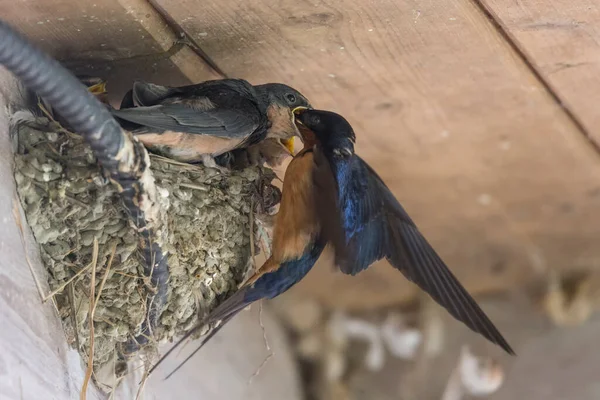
[281, 100]
[282, 95]
[332, 130]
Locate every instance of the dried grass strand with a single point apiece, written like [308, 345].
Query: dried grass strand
[266, 340]
[61, 287]
[90, 364]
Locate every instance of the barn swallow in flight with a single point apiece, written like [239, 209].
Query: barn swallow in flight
[362, 220]
[203, 121]
[331, 196]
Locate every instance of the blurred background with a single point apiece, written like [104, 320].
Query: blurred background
[482, 117]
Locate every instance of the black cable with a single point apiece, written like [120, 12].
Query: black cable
[69, 97]
[90, 118]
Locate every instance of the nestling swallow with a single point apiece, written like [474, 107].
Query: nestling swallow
[96, 86]
[362, 220]
[199, 122]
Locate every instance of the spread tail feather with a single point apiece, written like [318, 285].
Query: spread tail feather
[204, 341]
[223, 312]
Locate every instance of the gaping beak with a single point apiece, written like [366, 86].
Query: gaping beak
[299, 110]
[288, 144]
[295, 113]
[98, 88]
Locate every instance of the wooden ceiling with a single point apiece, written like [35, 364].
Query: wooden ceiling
[481, 117]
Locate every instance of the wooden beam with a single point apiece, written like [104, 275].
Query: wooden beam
[560, 39]
[118, 40]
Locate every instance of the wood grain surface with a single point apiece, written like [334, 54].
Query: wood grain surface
[118, 40]
[489, 165]
[561, 39]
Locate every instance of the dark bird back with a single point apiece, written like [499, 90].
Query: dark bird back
[198, 122]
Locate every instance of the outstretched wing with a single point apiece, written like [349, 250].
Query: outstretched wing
[376, 226]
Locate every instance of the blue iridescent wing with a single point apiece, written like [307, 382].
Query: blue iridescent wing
[376, 226]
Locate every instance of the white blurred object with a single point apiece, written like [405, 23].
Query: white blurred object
[476, 376]
[480, 376]
[344, 328]
[402, 342]
[360, 329]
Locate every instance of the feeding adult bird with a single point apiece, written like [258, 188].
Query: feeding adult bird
[330, 195]
[364, 223]
[296, 247]
[203, 121]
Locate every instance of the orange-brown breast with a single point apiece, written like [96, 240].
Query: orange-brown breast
[188, 146]
[296, 223]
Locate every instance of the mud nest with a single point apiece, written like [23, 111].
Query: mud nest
[69, 205]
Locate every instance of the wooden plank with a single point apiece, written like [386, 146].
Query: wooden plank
[561, 39]
[118, 40]
[87, 29]
[491, 168]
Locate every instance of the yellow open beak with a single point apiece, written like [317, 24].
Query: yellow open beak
[288, 144]
[297, 110]
[98, 88]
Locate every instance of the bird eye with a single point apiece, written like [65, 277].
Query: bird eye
[315, 120]
[290, 98]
